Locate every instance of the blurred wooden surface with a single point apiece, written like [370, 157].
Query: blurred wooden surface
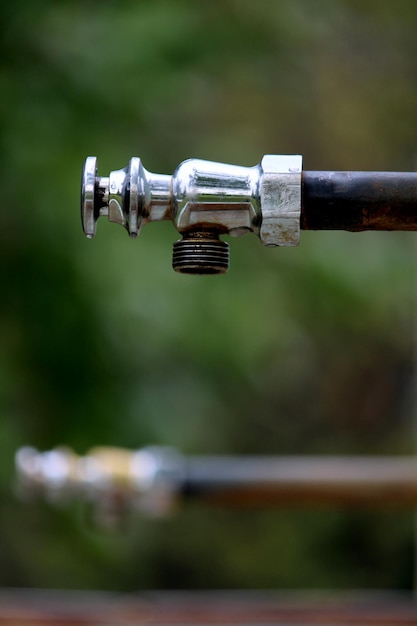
[71, 608]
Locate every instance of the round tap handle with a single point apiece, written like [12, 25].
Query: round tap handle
[115, 196]
[89, 200]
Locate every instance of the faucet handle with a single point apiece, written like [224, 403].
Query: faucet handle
[117, 196]
[90, 204]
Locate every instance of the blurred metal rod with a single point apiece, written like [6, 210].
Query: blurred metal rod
[154, 480]
[358, 201]
[302, 480]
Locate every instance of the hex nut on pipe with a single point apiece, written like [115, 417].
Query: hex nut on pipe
[280, 195]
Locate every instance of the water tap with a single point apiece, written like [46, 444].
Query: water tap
[204, 200]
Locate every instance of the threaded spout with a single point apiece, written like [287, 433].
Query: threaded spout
[201, 253]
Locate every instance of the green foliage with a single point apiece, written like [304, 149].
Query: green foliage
[301, 350]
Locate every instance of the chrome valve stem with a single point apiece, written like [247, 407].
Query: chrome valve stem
[204, 200]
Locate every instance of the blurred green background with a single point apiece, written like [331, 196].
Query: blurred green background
[305, 350]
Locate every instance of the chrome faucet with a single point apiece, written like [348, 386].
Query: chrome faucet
[204, 200]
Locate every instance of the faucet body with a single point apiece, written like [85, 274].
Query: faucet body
[204, 200]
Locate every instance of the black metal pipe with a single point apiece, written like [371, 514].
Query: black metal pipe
[300, 480]
[358, 201]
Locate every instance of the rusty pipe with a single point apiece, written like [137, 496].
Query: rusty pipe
[302, 480]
